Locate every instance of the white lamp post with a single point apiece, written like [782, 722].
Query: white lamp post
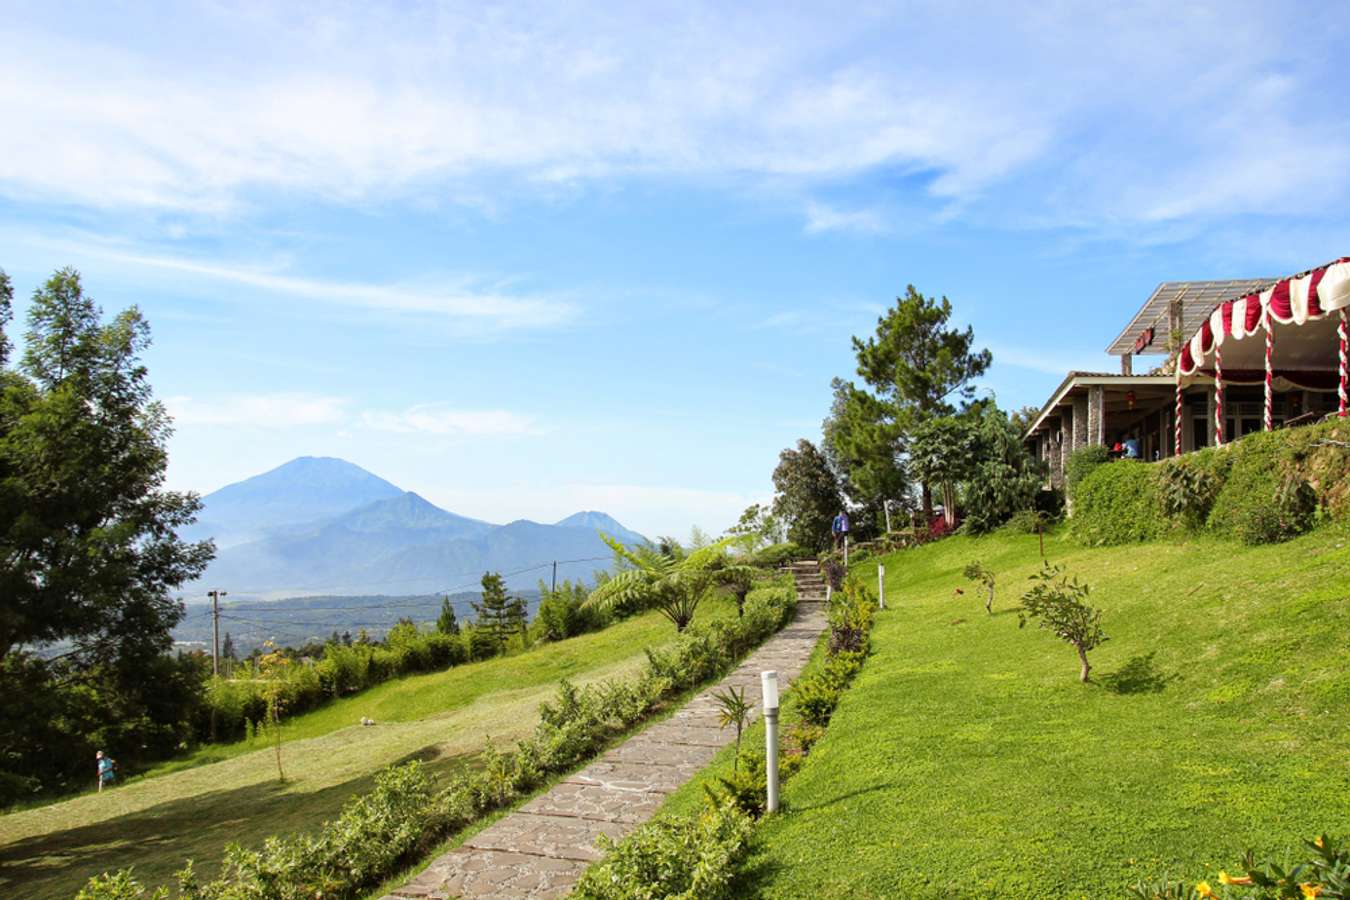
[768, 682]
[881, 586]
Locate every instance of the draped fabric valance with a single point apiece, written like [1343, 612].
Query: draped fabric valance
[1289, 301]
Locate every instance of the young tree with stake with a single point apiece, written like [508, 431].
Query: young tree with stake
[1056, 603]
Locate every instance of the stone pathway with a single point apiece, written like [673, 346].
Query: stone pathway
[541, 849]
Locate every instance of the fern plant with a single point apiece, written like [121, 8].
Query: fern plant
[664, 578]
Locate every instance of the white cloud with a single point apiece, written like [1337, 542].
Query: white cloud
[821, 218]
[439, 419]
[1141, 112]
[279, 410]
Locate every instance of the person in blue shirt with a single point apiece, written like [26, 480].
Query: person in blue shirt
[107, 769]
[1131, 447]
[839, 528]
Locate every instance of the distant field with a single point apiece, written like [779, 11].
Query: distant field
[192, 807]
[968, 761]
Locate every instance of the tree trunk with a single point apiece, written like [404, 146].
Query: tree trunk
[1082, 657]
[989, 603]
[927, 494]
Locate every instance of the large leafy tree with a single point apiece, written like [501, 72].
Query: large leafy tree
[918, 366]
[88, 546]
[89, 554]
[807, 495]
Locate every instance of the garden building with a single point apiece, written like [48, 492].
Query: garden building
[1229, 358]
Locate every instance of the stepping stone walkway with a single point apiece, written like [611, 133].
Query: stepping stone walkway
[541, 849]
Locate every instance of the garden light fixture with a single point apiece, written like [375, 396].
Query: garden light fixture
[768, 682]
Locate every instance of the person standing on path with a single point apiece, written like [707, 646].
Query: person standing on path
[840, 528]
[107, 769]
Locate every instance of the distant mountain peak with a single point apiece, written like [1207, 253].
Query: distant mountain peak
[599, 521]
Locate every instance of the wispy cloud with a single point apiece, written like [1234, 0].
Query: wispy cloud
[440, 419]
[436, 102]
[274, 410]
[821, 217]
[476, 304]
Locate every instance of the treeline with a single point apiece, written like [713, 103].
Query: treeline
[907, 439]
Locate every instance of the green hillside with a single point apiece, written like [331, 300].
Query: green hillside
[192, 807]
[968, 761]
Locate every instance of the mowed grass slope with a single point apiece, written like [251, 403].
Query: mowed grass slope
[968, 761]
[190, 808]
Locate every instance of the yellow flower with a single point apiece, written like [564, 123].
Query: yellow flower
[1225, 878]
[1318, 842]
[1204, 890]
[1310, 891]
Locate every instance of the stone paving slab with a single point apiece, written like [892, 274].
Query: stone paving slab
[496, 873]
[603, 803]
[648, 752]
[556, 837]
[540, 850]
[634, 776]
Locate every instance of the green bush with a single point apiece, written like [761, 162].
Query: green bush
[1028, 521]
[1081, 463]
[1261, 504]
[692, 859]
[1324, 873]
[1188, 486]
[1117, 504]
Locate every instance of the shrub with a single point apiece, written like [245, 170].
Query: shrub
[1117, 504]
[1055, 603]
[1324, 873]
[675, 858]
[977, 572]
[1081, 463]
[563, 613]
[850, 616]
[1028, 521]
[1265, 498]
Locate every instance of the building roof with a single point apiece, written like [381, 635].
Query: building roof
[1198, 299]
[1081, 379]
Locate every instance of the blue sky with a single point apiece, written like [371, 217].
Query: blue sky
[531, 259]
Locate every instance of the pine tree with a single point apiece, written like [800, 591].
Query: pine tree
[447, 624]
[496, 615]
[227, 648]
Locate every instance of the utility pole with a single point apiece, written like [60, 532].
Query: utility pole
[215, 628]
[555, 576]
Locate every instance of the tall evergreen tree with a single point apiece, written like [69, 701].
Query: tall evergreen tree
[496, 610]
[227, 650]
[446, 623]
[918, 367]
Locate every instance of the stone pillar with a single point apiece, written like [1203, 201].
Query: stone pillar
[1081, 435]
[1126, 364]
[1096, 415]
[1057, 452]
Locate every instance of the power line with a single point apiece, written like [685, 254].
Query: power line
[404, 579]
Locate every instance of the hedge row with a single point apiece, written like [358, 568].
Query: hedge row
[1266, 487]
[405, 816]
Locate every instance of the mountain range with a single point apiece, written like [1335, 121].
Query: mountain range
[324, 525]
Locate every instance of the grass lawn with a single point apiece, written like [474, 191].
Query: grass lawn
[192, 807]
[968, 760]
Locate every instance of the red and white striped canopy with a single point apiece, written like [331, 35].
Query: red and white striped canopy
[1289, 301]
